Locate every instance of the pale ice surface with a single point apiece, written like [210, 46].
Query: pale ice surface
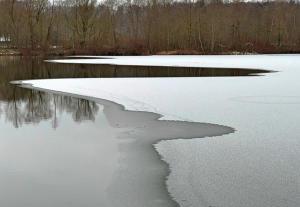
[220, 61]
[258, 165]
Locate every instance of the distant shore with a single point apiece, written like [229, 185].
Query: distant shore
[66, 52]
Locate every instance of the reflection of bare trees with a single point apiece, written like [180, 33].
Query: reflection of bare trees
[81, 109]
[33, 109]
[38, 106]
[22, 106]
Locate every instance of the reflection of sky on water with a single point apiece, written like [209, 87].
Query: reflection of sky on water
[42, 167]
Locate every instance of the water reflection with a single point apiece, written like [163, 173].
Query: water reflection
[26, 106]
[34, 106]
[20, 106]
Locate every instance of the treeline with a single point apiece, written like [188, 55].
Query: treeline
[149, 26]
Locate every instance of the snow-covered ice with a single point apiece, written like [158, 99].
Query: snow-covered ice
[222, 61]
[258, 165]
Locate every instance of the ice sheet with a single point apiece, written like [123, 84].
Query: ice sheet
[220, 61]
[256, 166]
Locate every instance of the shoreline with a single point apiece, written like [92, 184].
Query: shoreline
[150, 170]
[76, 52]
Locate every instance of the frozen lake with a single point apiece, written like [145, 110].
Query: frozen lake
[257, 165]
[61, 150]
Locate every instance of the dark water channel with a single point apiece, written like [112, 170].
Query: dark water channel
[58, 150]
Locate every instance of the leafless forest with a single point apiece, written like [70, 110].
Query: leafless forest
[149, 26]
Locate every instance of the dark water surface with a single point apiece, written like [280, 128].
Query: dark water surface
[58, 150]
